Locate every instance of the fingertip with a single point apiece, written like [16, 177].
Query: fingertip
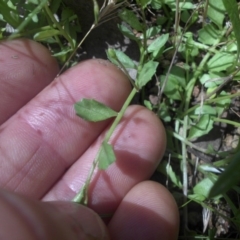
[23, 218]
[82, 221]
[147, 212]
[150, 135]
[26, 68]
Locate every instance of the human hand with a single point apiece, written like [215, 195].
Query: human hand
[47, 151]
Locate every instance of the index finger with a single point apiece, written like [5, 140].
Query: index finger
[45, 137]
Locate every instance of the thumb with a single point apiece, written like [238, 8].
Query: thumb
[22, 218]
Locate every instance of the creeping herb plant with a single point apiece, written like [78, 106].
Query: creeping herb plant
[187, 74]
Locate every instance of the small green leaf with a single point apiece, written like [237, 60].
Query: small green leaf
[156, 4]
[223, 104]
[148, 105]
[131, 18]
[54, 6]
[205, 109]
[41, 36]
[93, 111]
[221, 61]
[127, 32]
[167, 169]
[66, 14]
[144, 3]
[114, 55]
[172, 89]
[9, 14]
[209, 34]
[203, 188]
[106, 155]
[202, 127]
[186, 5]
[146, 73]
[189, 47]
[196, 197]
[157, 44]
[95, 11]
[152, 31]
[216, 12]
[164, 112]
[211, 80]
[176, 83]
[35, 18]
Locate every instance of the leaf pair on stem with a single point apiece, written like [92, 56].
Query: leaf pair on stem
[91, 110]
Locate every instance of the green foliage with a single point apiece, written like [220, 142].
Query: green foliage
[229, 178]
[167, 169]
[106, 155]
[146, 73]
[202, 189]
[130, 18]
[153, 31]
[209, 34]
[46, 35]
[176, 83]
[93, 111]
[233, 12]
[143, 3]
[203, 126]
[54, 25]
[220, 61]
[156, 46]
[216, 12]
[120, 59]
[9, 14]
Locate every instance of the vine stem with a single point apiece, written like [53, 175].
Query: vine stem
[53, 19]
[81, 196]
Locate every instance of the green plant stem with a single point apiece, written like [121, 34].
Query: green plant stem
[53, 19]
[74, 51]
[29, 32]
[120, 114]
[143, 47]
[190, 144]
[172, 62]
[208, 101]
[28, 19]
[81, 196]
[201, 46]
[189, 90]
[176, 24]
[235, 124]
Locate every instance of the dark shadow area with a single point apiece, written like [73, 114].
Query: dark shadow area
[102, 37]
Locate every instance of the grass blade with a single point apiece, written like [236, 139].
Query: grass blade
[232, 9]
[229, 178]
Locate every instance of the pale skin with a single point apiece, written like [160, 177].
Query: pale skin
[46, 152]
